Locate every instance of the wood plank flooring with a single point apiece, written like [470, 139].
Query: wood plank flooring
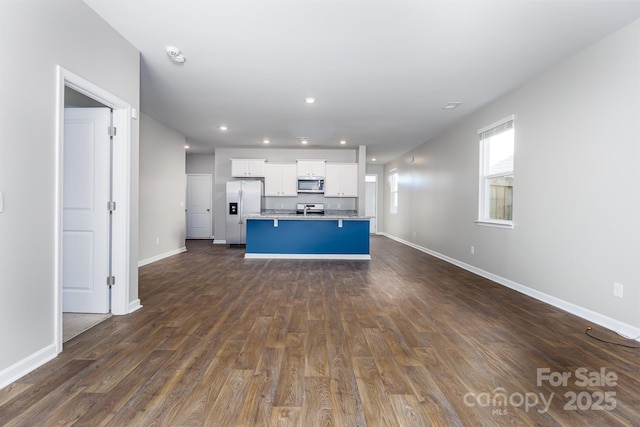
[403, 340]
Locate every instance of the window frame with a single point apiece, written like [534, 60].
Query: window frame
[483, 190]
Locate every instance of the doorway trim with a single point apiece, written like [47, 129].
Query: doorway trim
[121, 184]
[376, 195]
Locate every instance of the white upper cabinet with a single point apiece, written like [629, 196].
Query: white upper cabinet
[341, 180]
[311, 168]
[247, 168]
[280, 180]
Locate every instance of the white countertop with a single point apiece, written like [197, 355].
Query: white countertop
[284, 217]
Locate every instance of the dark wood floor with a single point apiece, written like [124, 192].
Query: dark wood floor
[402, 340]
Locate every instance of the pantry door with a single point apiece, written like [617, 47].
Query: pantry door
[198, 206]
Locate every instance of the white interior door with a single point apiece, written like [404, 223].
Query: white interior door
[198, 206]
[85, 228]
[371, 205]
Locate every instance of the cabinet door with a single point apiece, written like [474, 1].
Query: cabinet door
[280, 180]
[272, 179]
[313, 168]
[318, 169]
[238, 168]
[247, 168]
[349, 180]
[332, 180]
[256, 168]
[341, 180]
[289, 180]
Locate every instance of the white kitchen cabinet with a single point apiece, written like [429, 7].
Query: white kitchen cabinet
[280, 180]
[341, 180]
[311, 168]
[247, 168]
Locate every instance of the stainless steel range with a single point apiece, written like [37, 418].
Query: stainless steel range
[308, 209]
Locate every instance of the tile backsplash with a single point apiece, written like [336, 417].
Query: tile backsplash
[330, 203]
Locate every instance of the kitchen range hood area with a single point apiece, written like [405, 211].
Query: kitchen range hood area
[306, 230]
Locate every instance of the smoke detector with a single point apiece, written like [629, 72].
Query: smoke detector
[174, 54]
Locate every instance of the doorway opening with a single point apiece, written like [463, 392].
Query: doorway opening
[69, 84]
[371, 201]
[86, 223]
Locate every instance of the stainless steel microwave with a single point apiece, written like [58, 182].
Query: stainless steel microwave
[310, 185]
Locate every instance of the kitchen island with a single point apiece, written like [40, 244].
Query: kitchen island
[308, 237]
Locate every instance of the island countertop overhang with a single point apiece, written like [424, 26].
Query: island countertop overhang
[286, 217]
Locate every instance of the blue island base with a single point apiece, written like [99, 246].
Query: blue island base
[308, 238]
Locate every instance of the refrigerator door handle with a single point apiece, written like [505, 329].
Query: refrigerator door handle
[240, 208]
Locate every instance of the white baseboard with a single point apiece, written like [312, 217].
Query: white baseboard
[153, 259]
[134, 305]
[621, 328]
[39, 358]
[26, 365]
[219, 242]
[308, 256]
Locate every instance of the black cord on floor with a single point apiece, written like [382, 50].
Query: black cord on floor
[587, 333]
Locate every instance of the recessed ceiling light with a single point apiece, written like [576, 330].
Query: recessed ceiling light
[451, 105]
[265, 141]
[310, 100]
[342, 142]
[187, 146]
[304, 141]
[373, 159]
[223, 128]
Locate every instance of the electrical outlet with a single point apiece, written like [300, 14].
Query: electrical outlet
[473, 250]
[618, 289]
[157, 240]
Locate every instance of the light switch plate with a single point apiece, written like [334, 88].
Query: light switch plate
[617, 289]
[1, 202]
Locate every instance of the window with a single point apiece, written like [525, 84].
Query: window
[496, 173]
[393, 181]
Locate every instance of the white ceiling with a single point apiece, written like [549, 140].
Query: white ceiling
[381, 70]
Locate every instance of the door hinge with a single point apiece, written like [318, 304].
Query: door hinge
[111, 280]
[111, 206]
[111, 130]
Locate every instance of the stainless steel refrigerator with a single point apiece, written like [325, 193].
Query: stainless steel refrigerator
[243, 198]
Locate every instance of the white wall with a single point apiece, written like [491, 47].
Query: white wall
[223, 174]
[162, 191]
[40, 35]
[201, 163]
[576, 200]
